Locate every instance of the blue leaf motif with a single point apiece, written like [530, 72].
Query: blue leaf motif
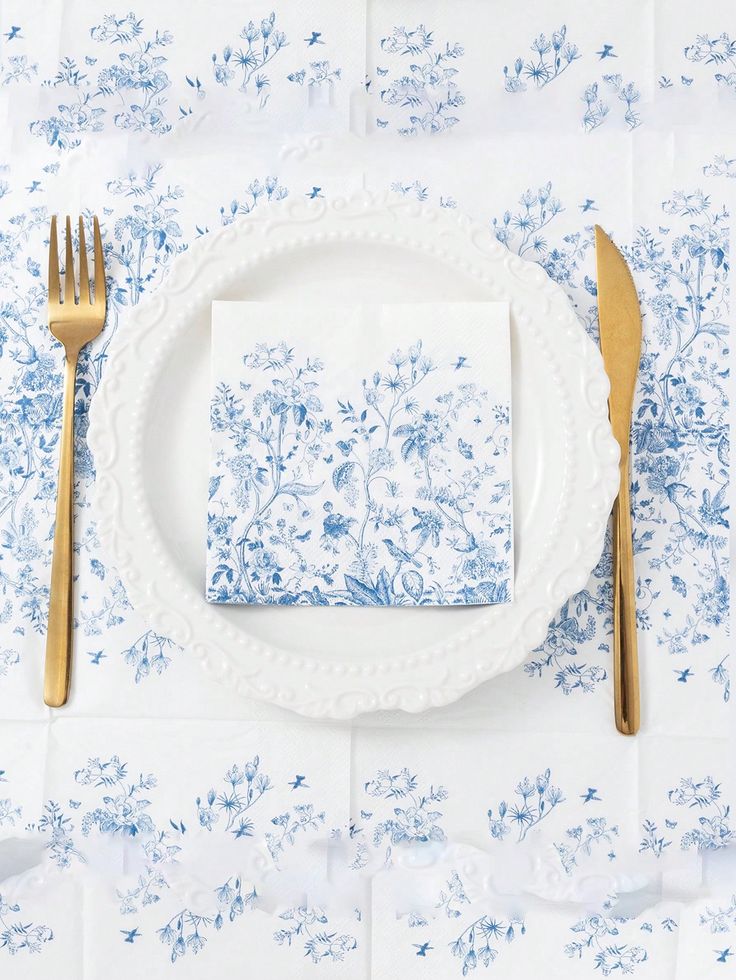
[300, 489]
[384, 587]
[363, 595]
[413, 584]
[343, 474]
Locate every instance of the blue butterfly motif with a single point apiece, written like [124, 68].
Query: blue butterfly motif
[606, 52]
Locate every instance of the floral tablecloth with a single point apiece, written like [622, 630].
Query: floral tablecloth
[161, 823]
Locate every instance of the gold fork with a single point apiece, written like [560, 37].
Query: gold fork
[74, 323]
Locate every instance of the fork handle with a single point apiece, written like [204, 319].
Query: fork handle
[625, 653]
[59, 636]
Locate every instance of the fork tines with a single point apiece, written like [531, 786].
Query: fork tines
[70, 295]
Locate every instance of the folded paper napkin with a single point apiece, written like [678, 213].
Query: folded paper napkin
[360, 455]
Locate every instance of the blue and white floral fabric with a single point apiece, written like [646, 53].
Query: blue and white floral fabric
[360, 456]
[161, 824]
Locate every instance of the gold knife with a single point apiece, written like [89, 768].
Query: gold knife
[619, 319]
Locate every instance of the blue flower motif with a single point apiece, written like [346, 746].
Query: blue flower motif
[719, 920]
[186, 931]
[594, 932]
[720, 53]
[429, 91]
[244, 786]
[16, 935]
[713, 830]
[416, 821]
[262, 44]
[320, 945]
[581, 840]
[537, 799]
[474, 944]
[291, 825]
[551, 58]
[17, 69]
[136, 79]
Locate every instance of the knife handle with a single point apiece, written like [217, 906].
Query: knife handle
[625, 654]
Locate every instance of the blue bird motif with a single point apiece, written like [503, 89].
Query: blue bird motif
[422, 948]
[722, 955]
[130, 935]
[588, 205]
[314, 38]
[683, 675]
[315, 192]
[298, 783]
[14, 33]
[399, 554]
[461, 362]
[606, 52]
[590, 795]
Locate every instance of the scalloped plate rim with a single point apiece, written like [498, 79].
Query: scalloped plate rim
[339, 690]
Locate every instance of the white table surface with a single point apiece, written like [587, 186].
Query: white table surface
[397, 845]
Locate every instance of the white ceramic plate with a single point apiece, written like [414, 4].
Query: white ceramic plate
[149, 435]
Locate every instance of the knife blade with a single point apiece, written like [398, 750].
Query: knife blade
[619, 317]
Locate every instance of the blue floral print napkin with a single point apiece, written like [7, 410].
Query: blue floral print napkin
[360, 455]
